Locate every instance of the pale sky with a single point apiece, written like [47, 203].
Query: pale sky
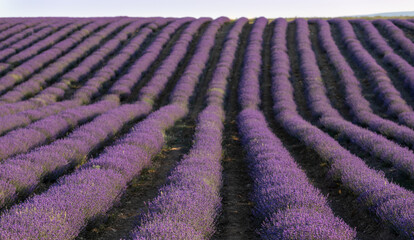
[197, 8]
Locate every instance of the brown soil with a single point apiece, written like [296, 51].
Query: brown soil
[367, 87]
[52, 60]
[397, 49]
[147, 75]
[330, 77]
[121, 220]
[236, 220]
[343, 203]
[392, 72]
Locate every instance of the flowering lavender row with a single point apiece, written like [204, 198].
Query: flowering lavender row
[378, 76]
[249, 92]
[396, 35]
[187, 206]
[24, 172]
[110, 70]
[152, 90]
[89, 88]
[359, 106]
[63, 210]
[92, 61]
[15, 30]
[391, 203]
[23, 139]
[23, 34]
[183, 90]
[34, 84]
[26, 42]
[13, 137]
[379, 44]
[24, 70]
[286, 204]
[37, 81]
[378, 146]
[7, 25]
[125, 84]
[404, 23]
[82, 95]
[51, 40]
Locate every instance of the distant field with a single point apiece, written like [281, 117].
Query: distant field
[183, 128]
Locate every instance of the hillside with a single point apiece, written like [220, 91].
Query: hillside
[185, 128]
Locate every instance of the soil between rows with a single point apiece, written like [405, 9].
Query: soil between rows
[121, 220]
[236, 220]
[395, 77]
[367, 87]
[328, 76]
[343, 203]
[52, 60]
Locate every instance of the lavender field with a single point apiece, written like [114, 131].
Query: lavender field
[185, 128]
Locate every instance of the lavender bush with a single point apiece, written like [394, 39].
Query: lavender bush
[384, 88]
[188, 205]
[287, 206]
[64, 209]
[56, 158]
[320, 106]
[358, 105]
[390, 202]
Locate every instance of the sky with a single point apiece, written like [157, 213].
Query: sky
[198, 8]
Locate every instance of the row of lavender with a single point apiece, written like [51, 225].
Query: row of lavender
[388, 201]
[91, 88]
[286, 204]
[383, 87]
[66, 207]
[36, 82]
[23, 139]
[39, 81]
[359, 107]
[23, 172]
[188, 205]
[329, 118]
[39, 60]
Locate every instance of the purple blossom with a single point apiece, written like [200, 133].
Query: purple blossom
[372, 188]
[287, 206]
[319, 104]
[77, 198]
[188, 205]
[383, 86]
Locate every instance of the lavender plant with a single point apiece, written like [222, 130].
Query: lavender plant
[384, 88]
[92, 190]
[287, 206]
[188, 205]
[391, 203]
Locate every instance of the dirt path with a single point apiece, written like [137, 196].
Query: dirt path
[343, 203]
[236, 221]
[338, 99]
[149, 72]
[122, 219]
[398, 50]
[392, 73]
[366, 86]
[330, 77]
